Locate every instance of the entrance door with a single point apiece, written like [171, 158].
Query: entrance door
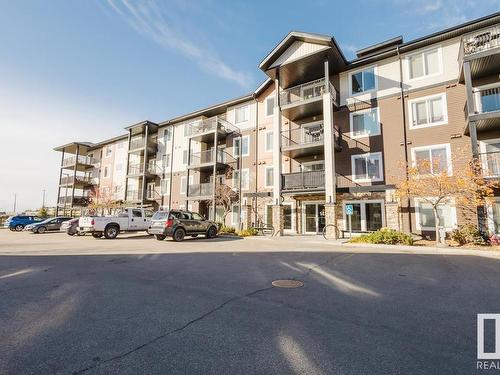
[314, 217]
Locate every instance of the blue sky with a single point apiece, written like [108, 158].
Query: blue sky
[85, 69]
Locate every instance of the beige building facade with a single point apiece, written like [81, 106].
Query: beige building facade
[320, 133]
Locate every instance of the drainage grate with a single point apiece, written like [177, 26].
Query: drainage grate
[287, 283]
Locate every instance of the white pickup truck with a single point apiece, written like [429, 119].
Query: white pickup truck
[129, 220]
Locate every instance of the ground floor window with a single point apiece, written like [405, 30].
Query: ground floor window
[425, 215]
[494, 216]
[367, 215]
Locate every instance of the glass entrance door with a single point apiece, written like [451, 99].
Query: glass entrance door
[314, 217]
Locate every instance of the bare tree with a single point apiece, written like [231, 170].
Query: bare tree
[430, 182]
[101, 200]
[225, 195]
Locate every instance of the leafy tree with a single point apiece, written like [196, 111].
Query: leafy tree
[42, 212]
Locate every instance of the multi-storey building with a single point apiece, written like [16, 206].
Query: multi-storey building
[321, 132]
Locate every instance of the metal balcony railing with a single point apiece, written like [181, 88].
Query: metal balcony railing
[134, 195]
[490, 164]
[200, 190]
[208, 156]
[69, 180]
[479, 41]
[307, 135]
[135, 169]
[86, 160]
[209, 125]
[136, 143]
[303, 180]
[487, 100]
[306, 91]
[77, 200]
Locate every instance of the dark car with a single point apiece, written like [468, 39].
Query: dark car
[17, 223]
[52, 224]
[177, 224]
[71, 227]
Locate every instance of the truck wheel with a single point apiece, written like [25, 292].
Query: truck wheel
[212, 232]
[97, 235]
[41, 230]
[111, 232]
[19, 227]
[179, 235]
[160, 237]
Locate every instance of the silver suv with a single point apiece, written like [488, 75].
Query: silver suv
[177, 224]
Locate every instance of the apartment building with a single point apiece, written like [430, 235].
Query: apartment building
[321, 132]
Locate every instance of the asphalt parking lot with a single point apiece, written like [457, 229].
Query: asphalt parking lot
[136, 305]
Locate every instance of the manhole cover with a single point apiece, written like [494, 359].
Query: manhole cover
[287, 283]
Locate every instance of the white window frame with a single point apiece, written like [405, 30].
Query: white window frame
[351, 122]
[167, 188]
[236, 154]
[316, 162]
[183, 178]
[266, 217]
[450, 202]
[422, 52]
[185, 162]
[148, 189]
[308, 125]
[265, 177]
[167, 131]
[362, 202]
[267, 148]
[375, 69]
[427, 99]
[266, 106]
[293, 211]
[247, 115]
[367, 155]
[164, 158]
[106, 153]
[489, 215]
[234, 215]
[429, 147]
[105, 172]
[236, 179]
[482, 149]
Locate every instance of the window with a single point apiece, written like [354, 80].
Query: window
[426, 63]
[184, 157]
[269, 105]
[241, 114]
[136, 213]
[269, 177]
[367, 167]
[425, 215]
[432, 159]
[313, 166]
[197, 216]
[234, 214]
[269, 141]
[245, 146]
[428, 111]
[245, 179]
[109, 150]
[165, 186]
[183, 183]
[106, 172]
[365, 123]
[166, 160]
[363, 80]
[368, 215]
[167, 134]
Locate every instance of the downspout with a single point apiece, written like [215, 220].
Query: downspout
[171, 169]
[405, 137]
[255, 199]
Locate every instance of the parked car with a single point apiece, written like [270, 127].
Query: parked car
[52, 224]
[18, 222]
[71, 227]
[129, 220]
[177, 224]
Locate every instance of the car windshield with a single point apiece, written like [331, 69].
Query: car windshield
[46, 221]
[160, 215]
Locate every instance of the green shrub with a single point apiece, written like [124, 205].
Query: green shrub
[248, 232]
[228, 230]
[468, 234]
[385, 236]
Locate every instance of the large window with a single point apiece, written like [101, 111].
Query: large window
[367, 167]
[425, 215]
[425, 63]
[362, 81]
[269, 177]
[183, 183]
[368, 215]
[166, 161]
[234, 214]
[428, 111]
[241, 114]
[269, 141]
[244, 143]
[167, 134]
[165, 186]
[245, 179]
[185, 157]
[269, 105]
[365, 123]
[432, 159]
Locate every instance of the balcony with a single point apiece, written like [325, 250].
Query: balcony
[82, 162]
[80, 201]
[200, 191]
[306, 140]
[482, 49]
[204, 160]
[134, 196]
[305, 100]
[486, 109]
[204, 130]
[135, 169]
[303, 181]
[77, 181]
[490, 164]
[138, 145]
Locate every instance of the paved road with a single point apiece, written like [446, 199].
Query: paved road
[214, 312]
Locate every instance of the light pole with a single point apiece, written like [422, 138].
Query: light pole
[43, 198]
[15, 202]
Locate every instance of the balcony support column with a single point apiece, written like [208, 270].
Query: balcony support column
[74, 178]
[145, 166]
[128, 166]
[278, 222]
[470, 109]
[214, 171]
[331, 218]
[59, 185]
[329, 148]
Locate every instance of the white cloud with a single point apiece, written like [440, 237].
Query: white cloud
[148, 19]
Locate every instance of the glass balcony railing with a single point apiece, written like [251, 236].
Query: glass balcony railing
[135, 169]
[208, 156]
[209, 125]
[86, 160]
[487, 100]
[200, 190]
[306, 91]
